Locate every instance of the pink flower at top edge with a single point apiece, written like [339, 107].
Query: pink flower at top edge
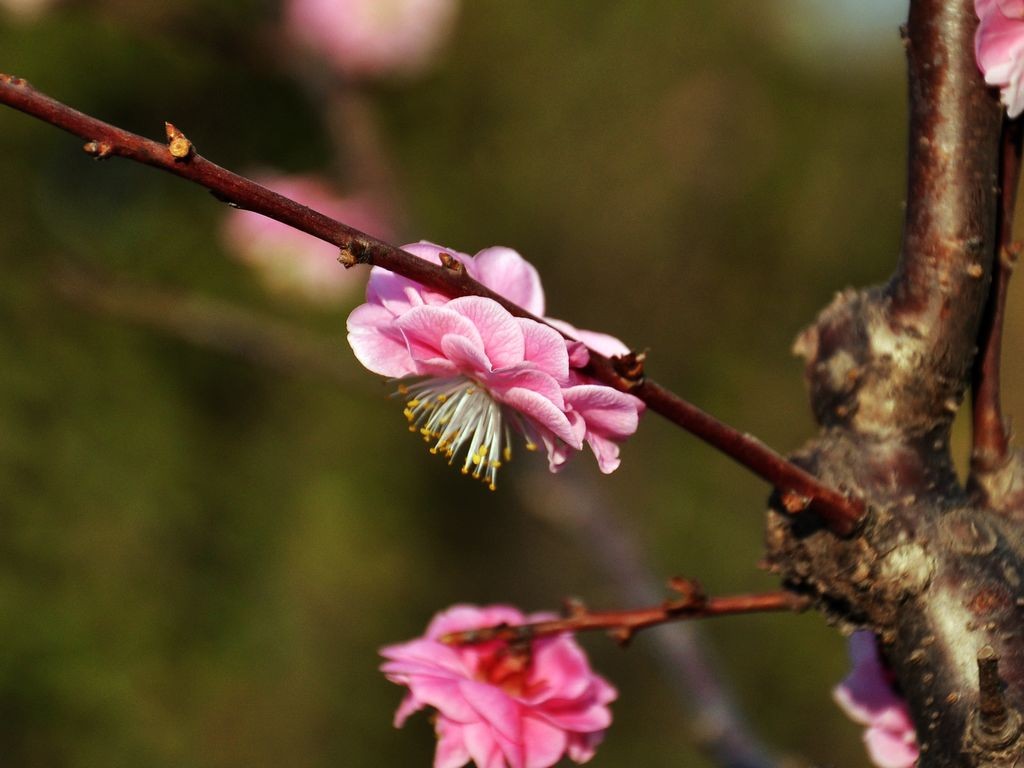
[373, 38]
[867, 696]
[500, 706]
[469, 370]
[999, 49]
[291, 262]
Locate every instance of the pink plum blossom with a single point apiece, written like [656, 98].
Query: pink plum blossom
[999, 49]
[469, 370]
[372, 38]
[867, 696]
[499, 705]
[291, 262]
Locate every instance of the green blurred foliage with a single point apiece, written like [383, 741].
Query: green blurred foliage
[199, 556]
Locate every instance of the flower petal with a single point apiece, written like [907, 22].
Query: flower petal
[451, 745]
[542, 412]
[889, 749]
[483, 747]
[544, 743]
[583, 746]
[603, 343]
[545, 348]
[494, 706]
[500, 331]
[607, 411]
[508, 274]
[377, 342]
[424, 329]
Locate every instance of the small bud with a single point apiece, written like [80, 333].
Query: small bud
[178, 144]
[100, 150]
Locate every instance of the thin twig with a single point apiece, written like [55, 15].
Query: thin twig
[800, 489]
[692, 603]
[688, 665]
[990, 436]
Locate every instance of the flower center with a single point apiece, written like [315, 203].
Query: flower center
[506, 667]
[459, 416]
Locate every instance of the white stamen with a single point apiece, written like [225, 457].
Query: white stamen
[457, 414]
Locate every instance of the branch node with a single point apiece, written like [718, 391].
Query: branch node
[574, 608]
[180, 147]
[622, 636]
[794, 503]
[994, 725]
[99, 150]
[1009, 255]
[18, 82]
[690, 592]
[630, 367]
[449, 262]
[356, 252]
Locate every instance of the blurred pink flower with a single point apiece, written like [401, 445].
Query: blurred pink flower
[468, 369]
[27, 8]
[291, 262]
[373, 38]
[499, 705]
[867, 696]
[999, 49]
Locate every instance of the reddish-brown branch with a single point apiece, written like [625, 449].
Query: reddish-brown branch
[951, 167]
[799, 488]
[990, 437]
[622, 625]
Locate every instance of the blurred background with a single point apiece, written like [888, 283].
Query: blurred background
[211, 518]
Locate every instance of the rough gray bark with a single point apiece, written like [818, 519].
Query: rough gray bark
[935, 570]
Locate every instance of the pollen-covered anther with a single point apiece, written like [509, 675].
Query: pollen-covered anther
[456, 416]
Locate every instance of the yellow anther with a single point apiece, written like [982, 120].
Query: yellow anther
[492, 486]
[531, 446]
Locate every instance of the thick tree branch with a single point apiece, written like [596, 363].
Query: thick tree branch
[950, 220]
[692, 603]
[893, 361]
[800, 489]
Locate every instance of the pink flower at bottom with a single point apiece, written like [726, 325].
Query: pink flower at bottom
[291, 262]
[469, 370]
[497, 705]
[867, 696]
[999, 49]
